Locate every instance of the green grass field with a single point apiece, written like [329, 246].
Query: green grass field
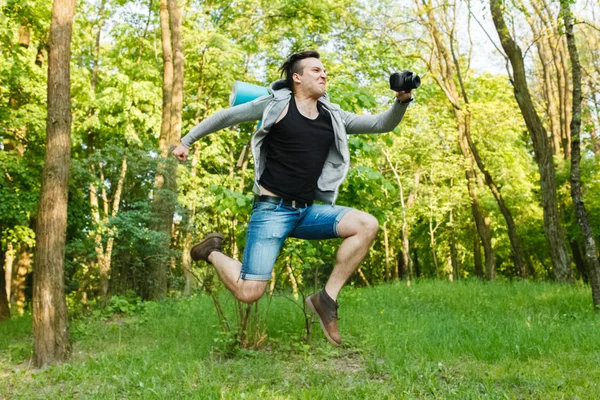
[464, 340]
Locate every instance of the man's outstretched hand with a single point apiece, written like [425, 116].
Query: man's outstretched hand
[181, 152]
[403, 97]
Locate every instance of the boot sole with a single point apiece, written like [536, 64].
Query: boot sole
[208, 237]
[310, 305]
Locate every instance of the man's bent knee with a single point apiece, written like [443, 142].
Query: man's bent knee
[251, 291]
[370, 226]
[359, 223]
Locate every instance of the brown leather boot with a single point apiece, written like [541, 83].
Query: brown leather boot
[212, 242]
[326, 308]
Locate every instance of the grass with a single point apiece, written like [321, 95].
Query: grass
[462, 340]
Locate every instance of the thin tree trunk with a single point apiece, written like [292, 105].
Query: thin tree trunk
[579, 261]
[165, 185]
[589, 245]
[386, 246]
[19, 282]
[143, 37]
[102, 262]
[50, 323]
[557, 46]
[543, 151]
[24, 34]
[272, 282]
[543, 41]
[406, 260]
[8, 259]
[363, 277]
[4, 308]
[477, 255]
[293, 281]
[453, 252]
[105, 261]
[593, 134]
[188, 240]
[483, 228]
[396, 268]
[175, 19]
[515, 241]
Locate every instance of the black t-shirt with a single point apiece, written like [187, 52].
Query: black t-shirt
[296, 150]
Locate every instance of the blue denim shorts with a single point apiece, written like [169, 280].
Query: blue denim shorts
[269, 226]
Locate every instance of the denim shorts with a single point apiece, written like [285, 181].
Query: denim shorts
[269, 226]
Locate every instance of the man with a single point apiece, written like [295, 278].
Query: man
[300, 155]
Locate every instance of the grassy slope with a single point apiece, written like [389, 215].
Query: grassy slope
[431, 340]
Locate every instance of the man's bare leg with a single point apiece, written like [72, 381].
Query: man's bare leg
[359, 230]
[229, 272]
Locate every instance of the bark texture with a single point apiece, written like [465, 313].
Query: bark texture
[589, 245]
[555, 237]
[20, 281]
[50, 323]
[166, 178]
[4, 308]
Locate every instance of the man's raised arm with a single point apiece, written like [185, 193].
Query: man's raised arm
[380, 123]
[251, 111]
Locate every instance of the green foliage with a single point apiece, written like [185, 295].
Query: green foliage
[124, 305]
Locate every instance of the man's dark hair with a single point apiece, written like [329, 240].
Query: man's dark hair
[291, 66]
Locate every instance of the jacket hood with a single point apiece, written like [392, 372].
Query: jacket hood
[279, 84]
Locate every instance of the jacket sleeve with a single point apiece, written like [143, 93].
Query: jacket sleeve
[251, 111]
[380, 123]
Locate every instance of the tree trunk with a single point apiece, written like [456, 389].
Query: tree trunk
[293, 281]
[406, 260]
[163, 205]
[188, 238]
[595, 139]
[589, 245]
[477, 255]
[543, 151]
[19, 283]
[24, 34]
[386, 245]
[4, 308]
[104, 262]
[417, 264]
[515, 241]
[8, 259]
[50, 323]
[481, 222]
[543, 40]
[175, 19]
[453, 252]
[363, 277]
[579, 261]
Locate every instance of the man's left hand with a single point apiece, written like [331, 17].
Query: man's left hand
[403, 96]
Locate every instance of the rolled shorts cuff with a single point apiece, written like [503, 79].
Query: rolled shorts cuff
[253, 277]
[338, 219]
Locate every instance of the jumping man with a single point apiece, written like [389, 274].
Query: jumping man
[300, 155]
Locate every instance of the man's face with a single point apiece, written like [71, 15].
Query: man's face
[313, 80]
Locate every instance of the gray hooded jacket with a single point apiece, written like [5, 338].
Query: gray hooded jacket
[269, 108]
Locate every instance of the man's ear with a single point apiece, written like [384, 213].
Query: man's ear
[296, 77]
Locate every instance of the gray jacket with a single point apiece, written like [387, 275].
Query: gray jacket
[269, 108]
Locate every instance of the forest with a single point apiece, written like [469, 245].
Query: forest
[492, 175]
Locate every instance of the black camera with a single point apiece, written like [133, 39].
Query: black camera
[404, 81]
